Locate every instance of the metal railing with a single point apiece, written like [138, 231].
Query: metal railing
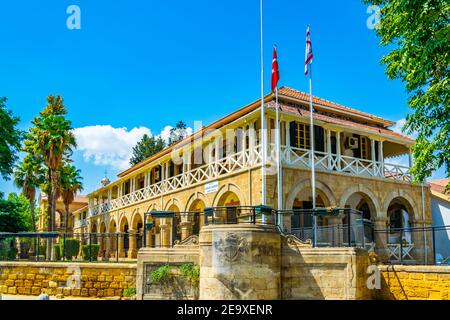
[90, 247]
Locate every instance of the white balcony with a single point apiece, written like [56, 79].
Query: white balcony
[291, 157]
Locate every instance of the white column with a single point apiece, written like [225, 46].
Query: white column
[330, 163]
[338, 149]
[381, 157]
[252, 142]
[374, 159]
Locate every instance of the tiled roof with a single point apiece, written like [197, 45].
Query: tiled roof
[325, 103]
[339, 121]
[439, 185]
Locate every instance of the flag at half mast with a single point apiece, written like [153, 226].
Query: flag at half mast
[275, 71]
[308, 52]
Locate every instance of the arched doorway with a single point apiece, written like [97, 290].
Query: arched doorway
[124, 243]
[229, 202]
[174, 225]
[400, 215]
[137, 227]
[361, 202]
[112, 237]
[93, 235]
[103, 240]
[196, 215]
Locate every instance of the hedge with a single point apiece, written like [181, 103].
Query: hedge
[72, 248]
[86, 252]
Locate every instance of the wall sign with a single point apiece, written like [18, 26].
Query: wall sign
[211, 187]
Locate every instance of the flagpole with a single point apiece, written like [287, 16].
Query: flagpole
[279, 164]
[312, 151]
[263, 121]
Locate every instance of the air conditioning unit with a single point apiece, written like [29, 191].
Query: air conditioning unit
[352, 143]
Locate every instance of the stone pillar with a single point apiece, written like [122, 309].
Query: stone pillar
[121, 249]
[186, 229]
[240, 262]
[101, 246]
[148, 238]
[132, 250]
[165, 235]
[381, 238]
[108, 246]
[337, 234]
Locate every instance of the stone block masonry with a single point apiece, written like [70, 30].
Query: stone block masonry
[414, 283]
[96, 280]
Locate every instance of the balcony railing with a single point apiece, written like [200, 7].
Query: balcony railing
[354, 166]
[293, 157]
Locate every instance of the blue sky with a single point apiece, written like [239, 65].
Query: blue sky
[138, 66]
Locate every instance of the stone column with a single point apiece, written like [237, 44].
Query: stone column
[186, 229]
[381, 238]
[121, 249]
[132, 250]
[337, 235]
[165, 234]
[108, 246]
[148, 238]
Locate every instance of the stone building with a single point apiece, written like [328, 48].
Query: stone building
[80, 201]
[220, 165]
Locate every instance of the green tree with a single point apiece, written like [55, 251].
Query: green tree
[52, 139]
[70, 185]
[28, 175]
[178, 133]
[419, 31]
[10, 138]
[145, 148]
[15, 214]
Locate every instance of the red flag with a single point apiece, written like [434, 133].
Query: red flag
[275, 71]
[308, 52]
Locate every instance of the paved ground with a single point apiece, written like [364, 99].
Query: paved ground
[19, 297]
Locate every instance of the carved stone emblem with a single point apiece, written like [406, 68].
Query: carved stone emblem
[192, 240]
[231, 247]
[295, 243]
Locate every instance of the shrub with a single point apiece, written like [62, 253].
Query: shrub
[90, 253]
[160, 274]
[191, 272]
[43, 250]
[129, 292]
[72, 248]
[7, 251]
[57, 251]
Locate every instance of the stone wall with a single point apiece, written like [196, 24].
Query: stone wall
[98, 280]
[414, 283]
[175, 286]
[324, 273]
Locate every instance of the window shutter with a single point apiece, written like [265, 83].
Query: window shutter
[319, 139]
[293, 134]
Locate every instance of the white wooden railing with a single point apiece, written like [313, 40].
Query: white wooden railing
[354, 166]
[293, 157]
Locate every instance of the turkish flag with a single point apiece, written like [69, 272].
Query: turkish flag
[275, 71]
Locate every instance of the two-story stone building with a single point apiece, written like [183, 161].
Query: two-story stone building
[220, 165]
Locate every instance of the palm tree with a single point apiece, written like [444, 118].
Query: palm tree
[51, 138]
[28, 176]
[70, 184]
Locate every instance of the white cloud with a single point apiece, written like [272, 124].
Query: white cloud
[104, 145]
[397, 127]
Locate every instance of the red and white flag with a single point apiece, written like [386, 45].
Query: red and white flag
[308, 52]
[275, 71]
